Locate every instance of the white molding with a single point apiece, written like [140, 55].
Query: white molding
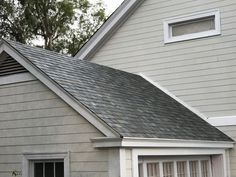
[222, 121]
[170, 152]
[14, 78]
[156, 142]
[28, 158]
[195, 111]
[167, 33]
[70, 100]
[108, 28]
[122, 162]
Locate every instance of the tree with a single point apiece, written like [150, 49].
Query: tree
[64, 25]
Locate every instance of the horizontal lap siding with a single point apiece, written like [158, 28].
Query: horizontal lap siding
[201, 72]
[34, 119]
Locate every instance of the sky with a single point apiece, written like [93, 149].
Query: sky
[112, 5]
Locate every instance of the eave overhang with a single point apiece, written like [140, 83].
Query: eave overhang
[159, 143]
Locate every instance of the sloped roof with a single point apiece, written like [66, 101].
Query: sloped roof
[126, 102]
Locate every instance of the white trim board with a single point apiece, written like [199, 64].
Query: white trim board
[28, 158]
[14, 78]
[222, 121]
[160, 143]
[108, 28]
[195, 111]
[70, 100]
[168, 38]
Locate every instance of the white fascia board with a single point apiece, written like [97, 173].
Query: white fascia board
[161, 143]
[70, 100]
[106, 30]
[174, 97]
[222, 121]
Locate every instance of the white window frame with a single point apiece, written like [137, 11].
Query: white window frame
[179, 152]
[168, 38]
[30, 158]
[186, 159]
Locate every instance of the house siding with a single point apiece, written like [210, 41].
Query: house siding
[200, 72]
[33, 119]
[231, 131]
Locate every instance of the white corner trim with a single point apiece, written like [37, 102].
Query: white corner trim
[157, 142]
[109, 26]
[168, 38]
[81, 109]
[22, 77]
[29, 157]
[122, 162]
[222, 121]
[174, 97]
[170, 152]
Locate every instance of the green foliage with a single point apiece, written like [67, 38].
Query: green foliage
[64, 25]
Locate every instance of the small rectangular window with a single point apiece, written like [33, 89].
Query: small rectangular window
[182, 169]
[153, 170]
[48, 169]
[192, 26]
[168, 169]
[205, 168]
[194, 169]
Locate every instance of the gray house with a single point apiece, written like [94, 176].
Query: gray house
[186, 47]
[64, 117]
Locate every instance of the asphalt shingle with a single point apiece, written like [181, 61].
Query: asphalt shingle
[126, 102]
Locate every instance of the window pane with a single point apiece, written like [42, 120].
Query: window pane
[49, 169]
[38, 170]
[193, 26]
[140, 170]
[153, 170]
[194, 169]
[205, 168]
[168, 169]
[59, 169]
[182, 169]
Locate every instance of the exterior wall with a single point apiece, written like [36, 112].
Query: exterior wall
[231, 131]
[33, 119]
[200, 72]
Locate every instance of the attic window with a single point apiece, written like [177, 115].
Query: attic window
[193, 26]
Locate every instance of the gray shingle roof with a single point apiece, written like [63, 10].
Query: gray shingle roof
[126, 102]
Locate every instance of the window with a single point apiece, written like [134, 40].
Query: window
[193, 26]
[46, 165]
[168, 169]
[205, 168]
[153, 170]
[194, 169]
[179, 167]
[182, 169]
[48, 168]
